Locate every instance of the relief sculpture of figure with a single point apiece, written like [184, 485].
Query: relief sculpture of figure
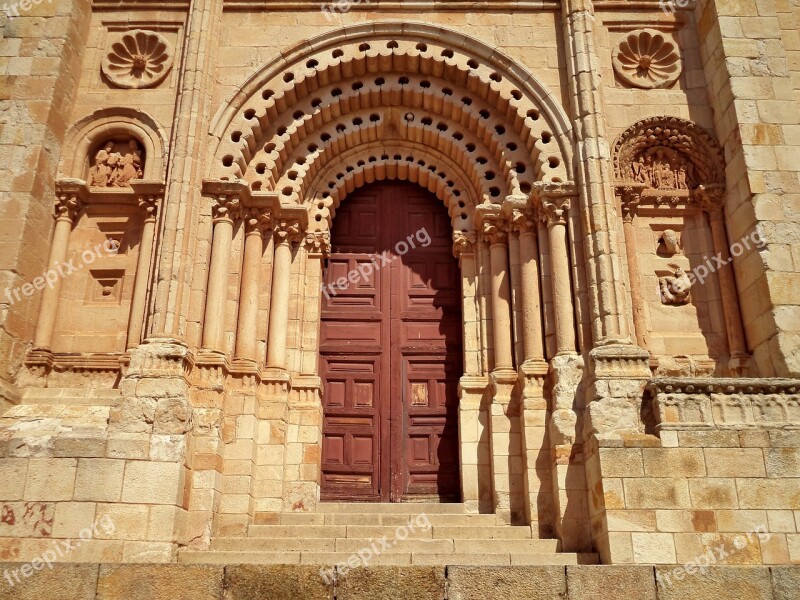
[130, 165]
[639, 170]
[100, 172]
[675, 289]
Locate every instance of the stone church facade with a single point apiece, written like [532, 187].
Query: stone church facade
[536, 260]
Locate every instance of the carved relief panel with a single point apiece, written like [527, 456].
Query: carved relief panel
[670, 184]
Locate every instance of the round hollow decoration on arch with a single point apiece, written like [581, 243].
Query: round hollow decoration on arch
[138, 59]
[398, 102]
[668, 153]
[115, 162]
[646, 59]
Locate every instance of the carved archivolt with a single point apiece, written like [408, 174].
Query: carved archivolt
[645, 58]
[470, 127]
[138, 59]
[667, 153]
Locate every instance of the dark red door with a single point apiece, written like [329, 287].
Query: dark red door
[390, 349]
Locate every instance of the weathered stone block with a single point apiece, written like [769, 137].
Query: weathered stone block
[509, 583]
[278, 582]
[747, 583]
[76, 582]
[159, 582]
[594, 582]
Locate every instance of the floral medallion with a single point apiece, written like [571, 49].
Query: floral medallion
[138, 59]
[645, 58]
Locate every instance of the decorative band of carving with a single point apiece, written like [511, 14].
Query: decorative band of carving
[723, 386]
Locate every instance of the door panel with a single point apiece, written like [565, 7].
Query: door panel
[390, 350]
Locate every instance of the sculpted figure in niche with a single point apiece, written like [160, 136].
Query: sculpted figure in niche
[113, 169]
[668, 243]
[675, 289]
[100, 173]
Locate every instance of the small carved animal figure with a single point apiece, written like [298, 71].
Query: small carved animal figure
[675, 290]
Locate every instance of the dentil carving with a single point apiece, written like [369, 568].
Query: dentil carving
[112, 168]
[675, 289]
[646, 59]
[138, 59]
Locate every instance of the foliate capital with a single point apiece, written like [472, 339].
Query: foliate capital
[67, 206]
[318, 243]
[711, 198]
[522, 220]
[226, 208]
[554, 210]
[494, 229]
[286, 231]
[630, 196]
[463, 243]
[257, 220]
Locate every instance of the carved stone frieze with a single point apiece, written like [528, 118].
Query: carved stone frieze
[667, 154]
[645, 58]
[138, 59]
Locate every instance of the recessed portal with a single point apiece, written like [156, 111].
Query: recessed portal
[391, 349]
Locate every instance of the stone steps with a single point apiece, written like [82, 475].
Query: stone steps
[386, 508]
[390, 558]
[382, 519]
[391, 531]
[387, 534]
[350, 545]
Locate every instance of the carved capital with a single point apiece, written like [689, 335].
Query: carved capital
[226, 208]
[522, 221]
[630, 196]
[711, 199]
[286, 231]
[554, 210]
[463, 243]
[318, 243]
[257, 220]
[67, 207]
[494, 229]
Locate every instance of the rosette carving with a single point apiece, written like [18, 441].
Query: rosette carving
[645, 58]
[138, 59]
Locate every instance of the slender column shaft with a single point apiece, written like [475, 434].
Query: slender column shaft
[533, 348]
[65, 211]
[730, 297]
[559, 262]
[140, 284]
[632, 256]
[279, 306]
[501, 306]
[217, 283]
[247, 329]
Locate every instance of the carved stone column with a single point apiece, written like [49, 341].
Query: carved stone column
[554, 210]
[712, 201]
[285, 232]
[149, 204]
[629, 197]
[256, 222]
[524, 224]
[66, 210]
[495, 233]
[226, 209]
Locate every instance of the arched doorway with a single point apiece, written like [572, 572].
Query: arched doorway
[391, 349]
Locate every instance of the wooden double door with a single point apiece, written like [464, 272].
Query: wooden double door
[391, 349]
